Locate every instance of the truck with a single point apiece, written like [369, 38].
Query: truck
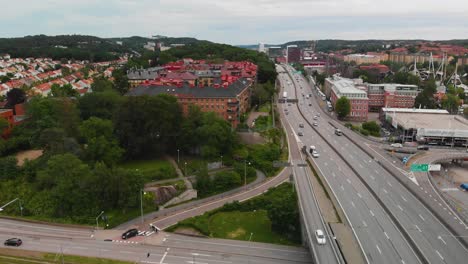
[285, 95]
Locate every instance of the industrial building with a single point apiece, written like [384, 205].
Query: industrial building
[427, 126]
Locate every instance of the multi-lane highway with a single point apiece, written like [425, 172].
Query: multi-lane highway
[368, 219]
[163, 247]
[312, 218]
[379, 235]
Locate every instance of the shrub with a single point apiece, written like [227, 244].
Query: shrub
[364, 131]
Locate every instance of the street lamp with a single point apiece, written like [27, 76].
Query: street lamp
[10, 202]
[185, 169]
[178, 156]
[221, 160]
[141, 204]
[97, 219]
[245, 172]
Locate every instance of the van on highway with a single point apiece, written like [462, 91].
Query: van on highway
[311, 149]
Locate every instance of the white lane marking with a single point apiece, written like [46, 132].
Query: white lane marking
[364, 223]
[372, 213]
[360, 196]
[361, 166]
[164, 256]
[420, 216]
[372, 177]
[202, 255]
[342, 188]
[443, 241]
[400, 207]
[385, 191]
[164, 239]
[380, 251]
[334, 175]
[196, 262]
[126, 252]
[430, 195]
[404, 199]
[419, 229]
[438, 253]
[403, 262]
[389, 184]
[326, 164]
[376, 171]
[386, 235]
[348, 180]
[352, 203]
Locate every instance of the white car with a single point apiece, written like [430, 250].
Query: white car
[315, 124]
[321, 240]
[315, 154]
[315, 117]
[396, 145]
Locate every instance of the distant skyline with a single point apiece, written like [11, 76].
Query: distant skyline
[241, 21]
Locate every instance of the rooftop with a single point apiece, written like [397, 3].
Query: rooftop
[193, 91]
[429, 121]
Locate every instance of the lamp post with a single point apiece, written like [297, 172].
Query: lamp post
[178, 156]
[245, 172]
[221, 161]
[10, 202]
[97, 219]
[185, 169]
[141, 205]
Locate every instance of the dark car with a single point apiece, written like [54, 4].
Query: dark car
[13, 242]
[130, 233]
[423, 147]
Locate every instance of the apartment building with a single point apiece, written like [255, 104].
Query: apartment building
[355, 93]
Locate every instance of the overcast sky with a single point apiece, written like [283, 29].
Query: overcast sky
[239, 21]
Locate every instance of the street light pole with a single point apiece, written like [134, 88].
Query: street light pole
[185, 169]
[141, 205]
[97, 220]
[245, 172]
[178, 156]
[10, 202]
[221, 161]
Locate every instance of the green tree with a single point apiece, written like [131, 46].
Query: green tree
[148, 124]
[3, 124]
[66, 90]
[120, 81]
[216, 136]
[101, 84]
[68, 182]
[100, 104]
[15, 96]
[65, 71]
[8, 168]
[343, 107]
[451, 103]
[101, 144]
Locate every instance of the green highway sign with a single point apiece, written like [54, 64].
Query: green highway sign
[419, 167]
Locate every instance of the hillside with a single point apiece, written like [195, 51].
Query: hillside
[79, 47]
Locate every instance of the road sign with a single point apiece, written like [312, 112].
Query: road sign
[419, 167]
[434, 167]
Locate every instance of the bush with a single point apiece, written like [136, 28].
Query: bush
[364, 131]
[348, 125]
[372, 127]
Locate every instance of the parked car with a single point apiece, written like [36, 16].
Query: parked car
[301, 125]
[13, 242]
[315, 124]
[310, 104]
[423, 147]
[130, 233]
[320, 237]
[396, 145]
[300, 134]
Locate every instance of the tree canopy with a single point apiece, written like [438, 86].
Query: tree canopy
[343, 107]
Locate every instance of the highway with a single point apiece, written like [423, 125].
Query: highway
[165, 248]
[368, 219]
[423, 228]
[312, 218]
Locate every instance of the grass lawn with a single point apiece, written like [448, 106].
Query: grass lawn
[152, 170]
[17, 256]
[239, 226]
[236, 225]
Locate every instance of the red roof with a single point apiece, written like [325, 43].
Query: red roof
[380, 67]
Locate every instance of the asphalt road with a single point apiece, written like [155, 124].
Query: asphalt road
[436, 243]
[310, 211]
[173, 249]
[370, 222]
